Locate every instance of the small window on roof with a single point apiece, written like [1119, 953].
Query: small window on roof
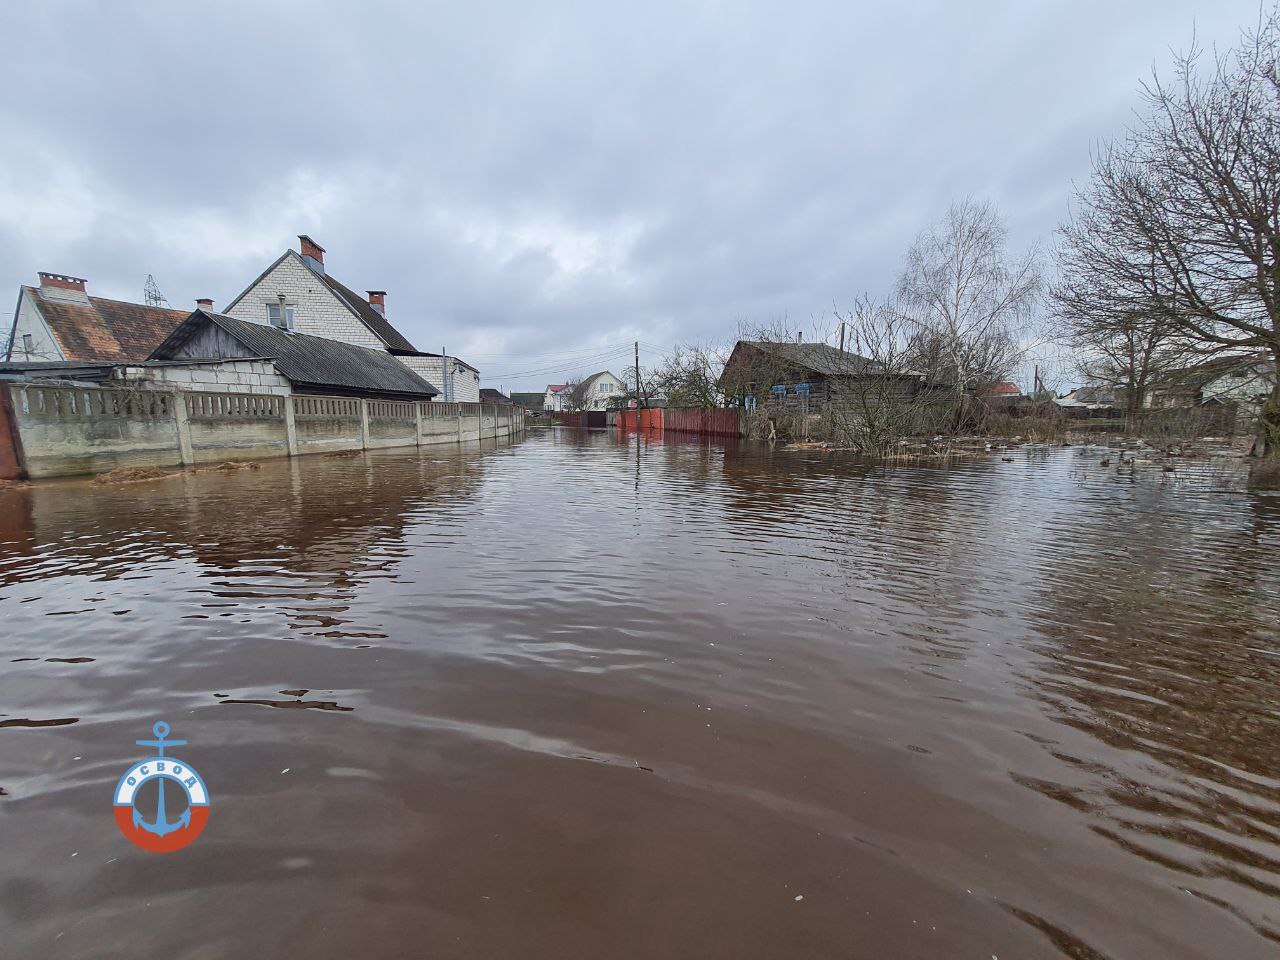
[273, 316]
[28, 344]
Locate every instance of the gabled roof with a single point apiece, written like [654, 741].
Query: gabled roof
[489, 393]
[821, 358]
[588, 382]
[377, 324]
[1204, 373]
[310, 362]
[556, 387]
[370, 317]
[105, 330]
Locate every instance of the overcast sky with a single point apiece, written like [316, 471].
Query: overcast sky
[537, 184]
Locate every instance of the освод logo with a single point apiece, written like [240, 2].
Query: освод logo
[144, 778]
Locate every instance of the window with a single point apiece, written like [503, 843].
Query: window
[606, 388]
[28, 344]
[273, 316]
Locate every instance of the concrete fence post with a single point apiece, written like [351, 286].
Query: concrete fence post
[364, 424]
[417, 422]
[459, 408]
[183, 427]
[290, 426]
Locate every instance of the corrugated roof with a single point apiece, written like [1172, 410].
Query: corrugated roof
[819, 357]
[311, 362]
[106, 330]
[370, 317]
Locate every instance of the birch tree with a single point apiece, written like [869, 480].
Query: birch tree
[968, 302]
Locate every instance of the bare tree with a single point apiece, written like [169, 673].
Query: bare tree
[881, 398]
[689, 376]
[574, 393]
[967, 302]
[1180, 223]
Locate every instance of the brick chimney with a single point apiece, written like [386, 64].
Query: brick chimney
[378, 300]
[312, 253]
[57, 286]
[205, 304]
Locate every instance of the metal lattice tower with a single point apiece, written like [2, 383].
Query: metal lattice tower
[152, 293]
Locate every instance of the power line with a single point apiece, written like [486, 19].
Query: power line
[562, 365]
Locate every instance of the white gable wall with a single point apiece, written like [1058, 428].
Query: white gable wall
[317, 310]
[465, 387]
[603, 389]
[29, 321]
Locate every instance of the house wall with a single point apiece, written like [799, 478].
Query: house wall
[237, 376]
[66, 430]
[466, 382]
[1249, 389]
[318, 311]
[603, 389]
[29, 321]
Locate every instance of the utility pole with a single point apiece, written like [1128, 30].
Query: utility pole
[637, 384]
[842, 336]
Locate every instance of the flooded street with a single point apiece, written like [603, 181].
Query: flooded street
[573, 698]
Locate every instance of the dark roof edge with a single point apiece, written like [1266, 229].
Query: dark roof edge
[13, 330]
[428, 353]
[262, 276]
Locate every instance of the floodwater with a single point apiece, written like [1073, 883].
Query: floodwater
[574, 698]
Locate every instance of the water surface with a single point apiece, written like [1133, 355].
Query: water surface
[578, 697]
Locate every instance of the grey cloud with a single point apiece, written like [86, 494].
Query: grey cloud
[527, 178]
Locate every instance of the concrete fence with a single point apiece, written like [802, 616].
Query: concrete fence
[56, 431]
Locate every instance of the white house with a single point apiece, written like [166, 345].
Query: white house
[601, 388]
[591, 393]
[1243, 379]
[556, 397]
[297, 293]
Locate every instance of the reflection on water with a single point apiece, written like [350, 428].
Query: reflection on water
[578, 698]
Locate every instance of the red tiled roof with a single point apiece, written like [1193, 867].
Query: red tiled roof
[106, 330]
[1004, 389]
[556, 387]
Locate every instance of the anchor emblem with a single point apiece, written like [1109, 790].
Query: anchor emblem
[161, 825]
[160, 834]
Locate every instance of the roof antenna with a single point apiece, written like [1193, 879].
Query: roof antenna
[152, 295]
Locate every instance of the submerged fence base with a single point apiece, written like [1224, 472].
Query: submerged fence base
[53, 431]
[706, 421]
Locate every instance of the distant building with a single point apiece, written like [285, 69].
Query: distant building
[296, 293]
[803, 376]
[555, 397]
[58, 322]
[532, 401]
[490, 395]
[597, 391]
[1099, 400]
[1245, 380]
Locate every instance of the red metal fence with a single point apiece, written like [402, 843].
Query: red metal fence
[10, 461]
[703, 421]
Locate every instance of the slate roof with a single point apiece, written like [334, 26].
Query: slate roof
[821, 358]
[492, 395]
[1204, 373]
[315, 363]
[105, 330]
[370, 317]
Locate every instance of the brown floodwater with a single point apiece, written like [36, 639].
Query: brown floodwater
[574, 698]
